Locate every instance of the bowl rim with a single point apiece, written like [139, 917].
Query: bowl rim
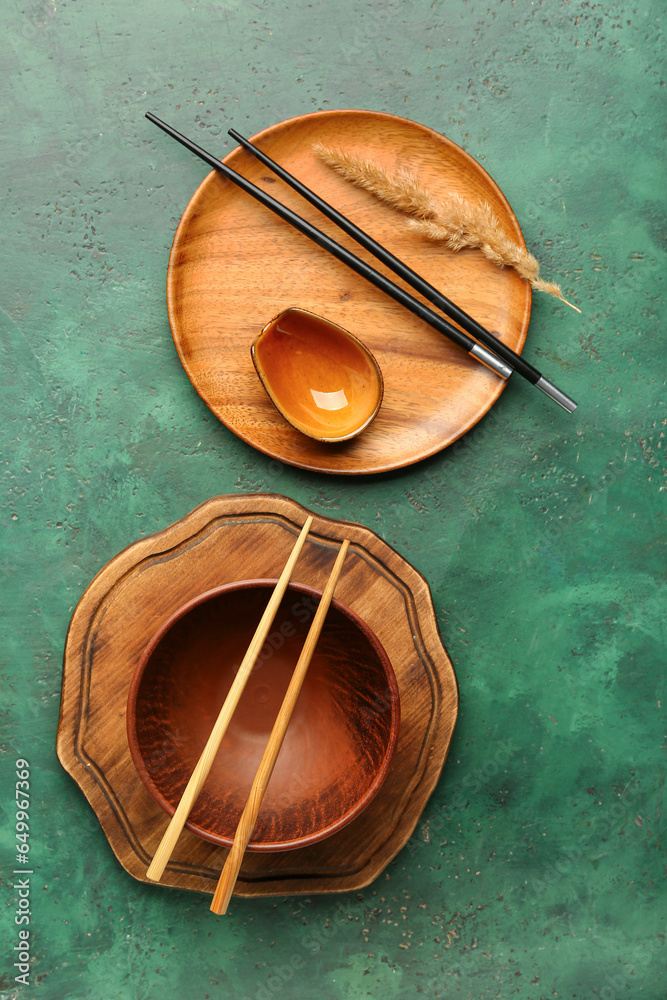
[264, 846]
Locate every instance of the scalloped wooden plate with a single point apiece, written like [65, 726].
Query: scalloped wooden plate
[226, 539]
[234, 266]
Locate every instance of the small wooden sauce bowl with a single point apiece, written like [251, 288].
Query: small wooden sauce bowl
[340, 741]
[320, 377]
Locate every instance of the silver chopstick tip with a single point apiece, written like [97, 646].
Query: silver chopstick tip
[491, 361]
[546, 386]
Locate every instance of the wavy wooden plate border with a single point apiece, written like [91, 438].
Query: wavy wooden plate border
[227, 538]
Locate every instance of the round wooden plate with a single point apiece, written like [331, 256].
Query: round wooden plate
[223, 540]
[234, 266]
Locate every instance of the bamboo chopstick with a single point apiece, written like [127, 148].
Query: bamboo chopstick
[203, 766]
[248, 819]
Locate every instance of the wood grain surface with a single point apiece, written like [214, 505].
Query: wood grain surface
[225, 539]
[234, 266]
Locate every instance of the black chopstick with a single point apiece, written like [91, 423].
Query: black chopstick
[450, 308]
[478, 351]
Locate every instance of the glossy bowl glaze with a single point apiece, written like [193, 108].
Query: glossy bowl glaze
[320, 377]
[340, 741]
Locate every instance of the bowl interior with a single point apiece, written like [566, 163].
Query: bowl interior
[340, 740]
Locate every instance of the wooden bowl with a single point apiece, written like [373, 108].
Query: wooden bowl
[341, 739]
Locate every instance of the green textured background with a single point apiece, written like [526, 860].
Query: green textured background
[538, 867]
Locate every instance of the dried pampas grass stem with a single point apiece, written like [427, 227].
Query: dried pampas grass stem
[458, 223]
